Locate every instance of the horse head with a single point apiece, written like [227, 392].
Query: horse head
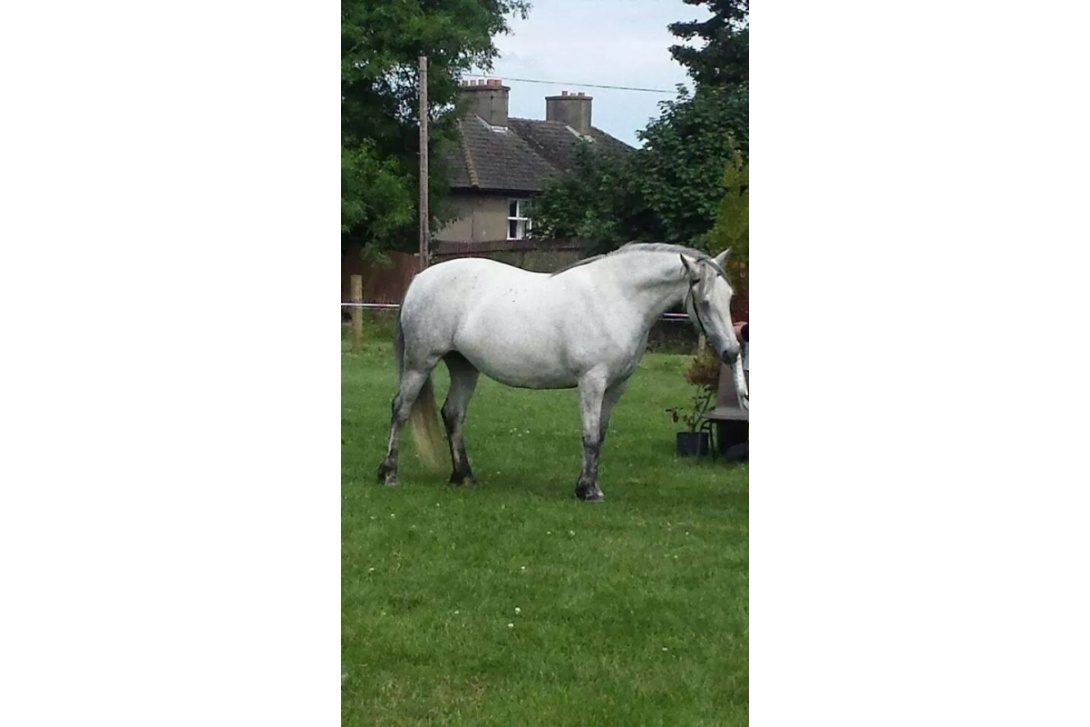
[708, 303]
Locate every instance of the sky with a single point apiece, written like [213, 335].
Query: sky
[606, 42]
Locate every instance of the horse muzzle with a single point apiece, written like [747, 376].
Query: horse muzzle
[729, 355]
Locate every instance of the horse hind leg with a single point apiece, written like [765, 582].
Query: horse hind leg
[409, 388]
[463, 382]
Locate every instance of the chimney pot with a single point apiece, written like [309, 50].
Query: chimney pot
[571, 108]
[488, 99]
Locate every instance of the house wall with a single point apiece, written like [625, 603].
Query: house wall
[482, 218]
[462, 227]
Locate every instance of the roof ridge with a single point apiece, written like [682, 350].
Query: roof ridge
[593, 128]
[474, 180]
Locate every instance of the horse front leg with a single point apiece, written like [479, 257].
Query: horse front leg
[591, 391]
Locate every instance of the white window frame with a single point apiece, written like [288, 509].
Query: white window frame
[523, 223]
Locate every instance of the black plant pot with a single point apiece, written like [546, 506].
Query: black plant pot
[693, 444]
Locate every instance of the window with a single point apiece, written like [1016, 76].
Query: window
[519, 223]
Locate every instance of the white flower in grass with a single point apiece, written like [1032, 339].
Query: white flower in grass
[523, 569]
[510, 626]
[370, 570]
[517, 610]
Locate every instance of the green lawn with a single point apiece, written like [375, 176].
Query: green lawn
[513, 603]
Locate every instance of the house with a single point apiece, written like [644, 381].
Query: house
[502, 163]
[499, 165]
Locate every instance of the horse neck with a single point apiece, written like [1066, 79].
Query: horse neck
[652, 282]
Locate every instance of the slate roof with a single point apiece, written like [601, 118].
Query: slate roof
[521, 159]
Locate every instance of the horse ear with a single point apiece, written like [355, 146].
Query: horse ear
[690, 268]
[721, 258]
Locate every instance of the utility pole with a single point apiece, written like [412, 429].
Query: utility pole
[423, 162]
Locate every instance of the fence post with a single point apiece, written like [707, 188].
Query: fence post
[356, 296]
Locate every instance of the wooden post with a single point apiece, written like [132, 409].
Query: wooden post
[423, 162]
[356, 296]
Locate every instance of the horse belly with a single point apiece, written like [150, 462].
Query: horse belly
[523, 356]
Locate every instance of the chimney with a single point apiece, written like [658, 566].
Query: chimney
[572, 109]
[488, 99]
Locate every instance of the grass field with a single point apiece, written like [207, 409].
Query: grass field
[513, 603]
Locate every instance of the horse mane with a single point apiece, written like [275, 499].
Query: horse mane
[637, 247]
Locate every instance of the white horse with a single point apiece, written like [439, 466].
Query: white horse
[584, 326]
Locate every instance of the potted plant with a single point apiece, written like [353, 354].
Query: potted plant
[703, 375]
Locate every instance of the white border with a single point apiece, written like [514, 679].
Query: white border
[168, 296]
[918, 493]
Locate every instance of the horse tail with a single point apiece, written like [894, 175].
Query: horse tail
[424, 424]
[423, 418]
[399, 347]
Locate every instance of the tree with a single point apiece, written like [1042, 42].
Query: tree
[598, 201]
[723, 59]
[667, 191]
[732, 231]
[679, 169]
[375, 194]
[671, 189]
[380, 46]
[732, 223]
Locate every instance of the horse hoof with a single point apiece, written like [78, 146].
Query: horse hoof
[590, 495]
[463, 481]
[387, 476]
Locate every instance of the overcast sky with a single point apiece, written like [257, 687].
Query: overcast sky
[608, 42]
